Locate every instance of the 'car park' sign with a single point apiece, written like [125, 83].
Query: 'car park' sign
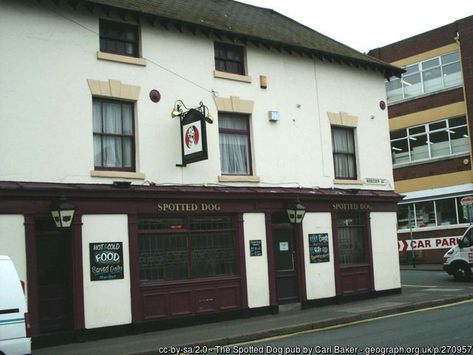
[430, 243]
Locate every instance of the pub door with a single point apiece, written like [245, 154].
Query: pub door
[353, 262]
[285, 264]
[54, 270]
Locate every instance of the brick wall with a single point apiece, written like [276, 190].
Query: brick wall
[426, 102]
[431, 169]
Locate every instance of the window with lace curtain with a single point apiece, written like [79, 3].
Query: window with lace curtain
[344, 155]
[114, 139]
[234, 136]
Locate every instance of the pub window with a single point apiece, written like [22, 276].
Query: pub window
[186, 248]
[229, 58]
[234, 136]
[351, 231]
[119, 38]
[114, 138]
[344, 157]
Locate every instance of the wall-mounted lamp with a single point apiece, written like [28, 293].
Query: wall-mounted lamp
[62, 212]
[181, 110]
[295, 212]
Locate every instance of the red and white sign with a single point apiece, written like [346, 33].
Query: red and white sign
[191, 137]
[430, 243]
[466, 201]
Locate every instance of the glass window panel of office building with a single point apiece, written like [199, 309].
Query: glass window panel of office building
[428, 76]
[429, 141]
[432, 213]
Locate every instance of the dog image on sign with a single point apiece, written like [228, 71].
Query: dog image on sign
[192, 138]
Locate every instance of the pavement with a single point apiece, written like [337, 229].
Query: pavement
[433, 288]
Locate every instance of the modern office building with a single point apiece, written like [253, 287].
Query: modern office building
[430, 109]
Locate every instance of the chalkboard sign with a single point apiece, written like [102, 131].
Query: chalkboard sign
[106, 261]
[318, 248]
[255, 248]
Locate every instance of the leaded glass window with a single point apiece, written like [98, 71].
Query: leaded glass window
[351, 239]
[186, 248]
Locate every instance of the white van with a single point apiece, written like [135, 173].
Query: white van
[458, 261]
[13, 312]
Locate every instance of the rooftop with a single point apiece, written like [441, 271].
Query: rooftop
[236, 21]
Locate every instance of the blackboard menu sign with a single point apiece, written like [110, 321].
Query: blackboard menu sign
[255, 248]
[318, 248]
[106, 261]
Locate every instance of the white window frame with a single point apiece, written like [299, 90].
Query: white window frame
[405, 83]
[414, 136]
[415, 226]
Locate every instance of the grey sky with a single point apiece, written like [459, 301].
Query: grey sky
[368, 24]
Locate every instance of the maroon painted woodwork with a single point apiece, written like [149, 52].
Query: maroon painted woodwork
[270, 252]
[188, 298]
[286, 265]
[162, 300]
[355, 280]
[77, 278]
[31, 197]
[31, 275]
[54, 268]
[242, 263]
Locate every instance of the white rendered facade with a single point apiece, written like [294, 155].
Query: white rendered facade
[54, 69]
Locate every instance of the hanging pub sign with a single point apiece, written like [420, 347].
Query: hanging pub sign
[106, 261]
[318, 248]
[193, 137]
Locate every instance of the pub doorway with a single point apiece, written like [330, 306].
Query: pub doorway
[54, 277]
[353, 260]
[285, 256]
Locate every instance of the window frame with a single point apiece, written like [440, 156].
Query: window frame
[101, 167]
[345, 154]
[439, 222]
[185, 229]
[362, 227]
[428, 131]
[240, 132]
[124, 28]
[226, 60]
[405, 85]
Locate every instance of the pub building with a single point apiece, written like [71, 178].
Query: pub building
[274, 187]
[190, 251]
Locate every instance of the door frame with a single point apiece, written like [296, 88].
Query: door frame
[77, 282]
[368, 253]
[299, 265]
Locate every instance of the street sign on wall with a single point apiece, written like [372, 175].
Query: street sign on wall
[429, 243]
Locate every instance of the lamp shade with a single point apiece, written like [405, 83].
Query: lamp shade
[62, 212]
[295, 212]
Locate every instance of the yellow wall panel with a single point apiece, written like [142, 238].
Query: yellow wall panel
[433, 182]
[433, 114]
[427, 55]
